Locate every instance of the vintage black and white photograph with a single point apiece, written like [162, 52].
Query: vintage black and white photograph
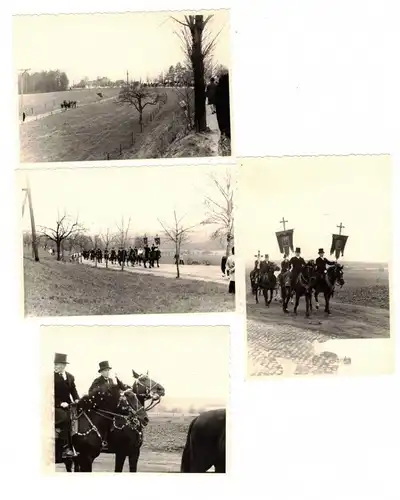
[134, 398]
[129, 85]
[128, 240]
[317, 264]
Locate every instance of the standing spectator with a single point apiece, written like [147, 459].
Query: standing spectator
[230, 264]
[210, 93]
[23, 117]
[222, 105]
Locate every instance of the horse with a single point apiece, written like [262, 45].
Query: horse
[267, 282]
[205, 443]
[147, 389]
[304, 286]
[255, 282]
[326, 285]
[94, 416]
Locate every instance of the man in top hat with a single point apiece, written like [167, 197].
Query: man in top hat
[105, 379]
[296, 265]
[64, 394]
[321, 262]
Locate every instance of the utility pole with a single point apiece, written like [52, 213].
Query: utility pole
[23, 72]
[33, 227]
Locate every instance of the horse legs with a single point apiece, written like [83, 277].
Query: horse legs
[297, 303]
[271, 290]
[316, 300]
[327, 297]
[307, 297]
[265, 293]
[133, 461]
[85, 463]
[119, 462]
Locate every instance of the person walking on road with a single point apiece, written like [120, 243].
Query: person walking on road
[210, 93]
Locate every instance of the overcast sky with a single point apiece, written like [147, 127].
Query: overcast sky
[95, 45]
[191, 362]
[102, 196]
[315, 194]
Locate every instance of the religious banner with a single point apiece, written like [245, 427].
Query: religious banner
[145, 240]
[157, 240]
[338, 243]
[285, 240]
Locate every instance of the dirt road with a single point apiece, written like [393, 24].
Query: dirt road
[273, 335]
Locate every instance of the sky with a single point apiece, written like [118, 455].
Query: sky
[191, 362]
[101, 197]
[315, 194]
[95, 45]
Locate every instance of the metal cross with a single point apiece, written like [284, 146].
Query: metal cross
[283, 221]
[340, 228]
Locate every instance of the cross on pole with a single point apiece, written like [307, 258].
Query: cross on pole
[283, 221]
[340, 228]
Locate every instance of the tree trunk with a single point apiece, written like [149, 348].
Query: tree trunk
[58, 243]
[198, 76]
[177, 253]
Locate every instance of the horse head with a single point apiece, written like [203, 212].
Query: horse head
[147, 389]
[335, 274]
[129, 403]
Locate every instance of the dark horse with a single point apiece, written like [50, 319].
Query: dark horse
[267, 283]
[304, 285]
[96, 416]
[205, 443]
[326, 285]
[126, 440]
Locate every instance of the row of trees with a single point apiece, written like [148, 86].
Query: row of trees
[69, 234]
[42, 81]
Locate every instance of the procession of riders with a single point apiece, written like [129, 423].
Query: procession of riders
[297, 277]
[148, 256]
[68, 104]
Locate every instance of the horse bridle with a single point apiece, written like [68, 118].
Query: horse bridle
[148, 394]
[335, 281]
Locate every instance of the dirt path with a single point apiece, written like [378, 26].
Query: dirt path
[202, 273]
[278, 342]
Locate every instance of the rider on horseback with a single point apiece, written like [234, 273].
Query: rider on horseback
[321, 262]
[297, 263]
[64, 394]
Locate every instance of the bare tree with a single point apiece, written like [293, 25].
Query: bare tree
[139, 96]
[63, 230]
[122, 237]
[27, 239]
[178, 235]
[107, 239]
[197, 46]
[220, 210]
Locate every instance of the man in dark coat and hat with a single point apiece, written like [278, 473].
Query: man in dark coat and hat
[321, 262]
[297, 263]
[222, 105]
[105, 379]
[65, 393]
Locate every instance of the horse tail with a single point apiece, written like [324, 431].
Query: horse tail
[186, 455]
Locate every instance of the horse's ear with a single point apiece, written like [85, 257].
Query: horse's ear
[135, 374]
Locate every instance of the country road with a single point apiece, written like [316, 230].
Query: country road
[202, 273]
[278, 342]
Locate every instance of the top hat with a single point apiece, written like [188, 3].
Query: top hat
[298, 250]
[104, 365]
[266, 256]
[60, 358]
[321, 250]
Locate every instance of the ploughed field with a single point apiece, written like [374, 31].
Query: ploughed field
[37, 104]
[96, 127]
[163, 443]
[55, 288]
[360, 310]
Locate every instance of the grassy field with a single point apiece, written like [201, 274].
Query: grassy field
[163, 443]
[88, 132]
[63, 289]
[50, 101]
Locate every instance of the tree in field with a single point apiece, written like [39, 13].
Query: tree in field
[64, 229]
[108, 239]
[122, 238]
[198, 47]
[179, 235]
[139, 96]
[220, 211]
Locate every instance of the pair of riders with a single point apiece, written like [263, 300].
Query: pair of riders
[295, 265]
[66, 394]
